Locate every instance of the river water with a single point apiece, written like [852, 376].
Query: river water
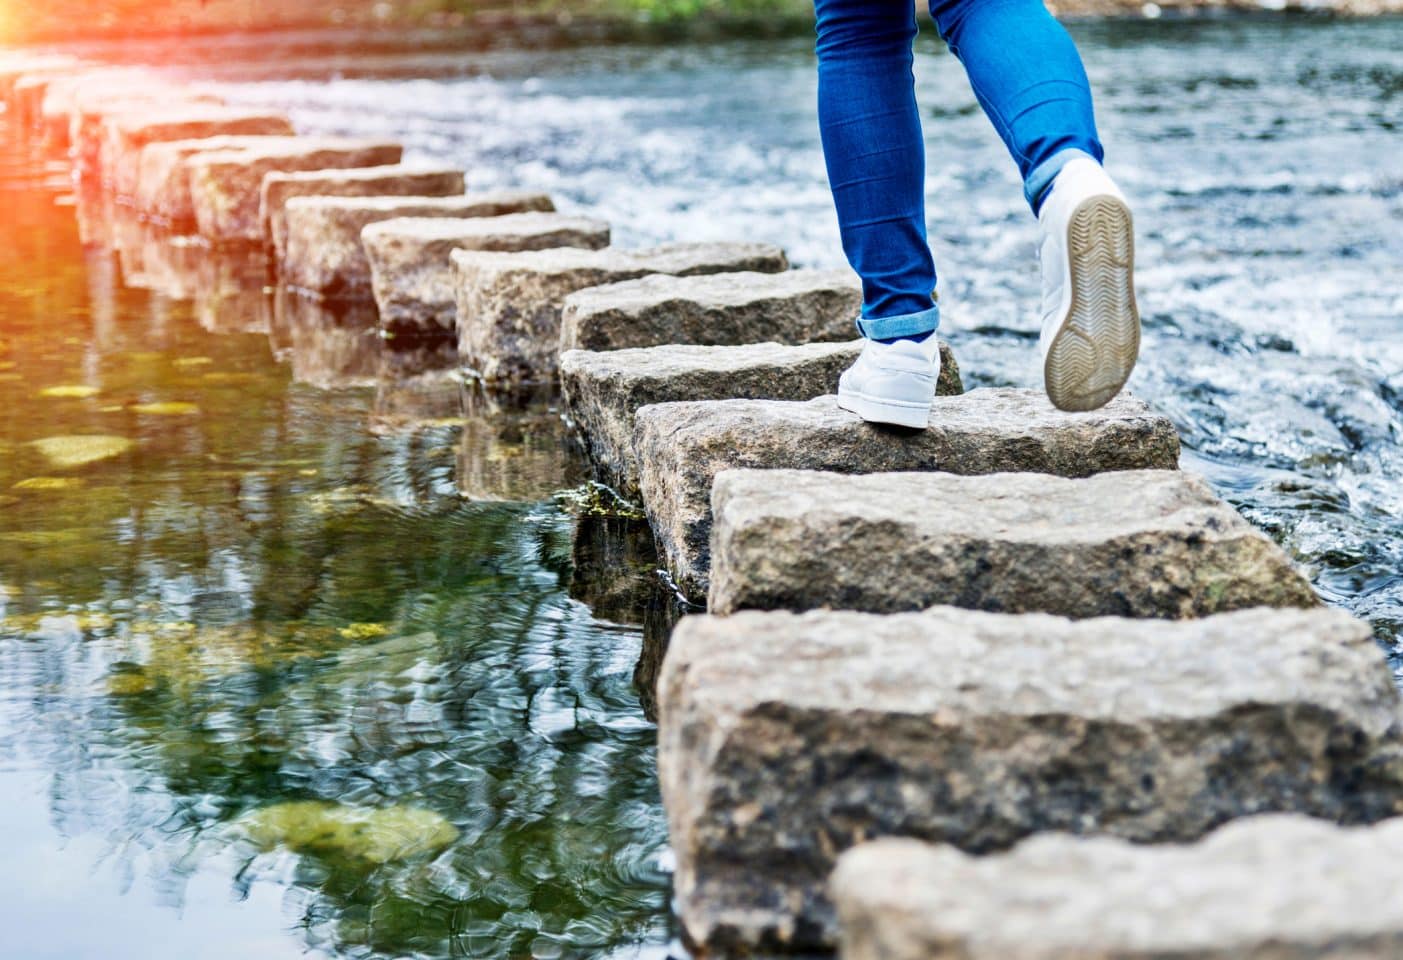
[279, 606]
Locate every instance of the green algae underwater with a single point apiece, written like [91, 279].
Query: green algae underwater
[270, 682]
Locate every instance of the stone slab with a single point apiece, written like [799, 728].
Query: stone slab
[786, 739]
[509, 308]
[412, 272]
[398, 180]
[796, 306]
[1135, 543]
[127, 133]
[163, 175]
[604, 389]
[92, 109]
[321, 252]
[62, 95]
[1271, 886]
[226, 187]
[682, 446]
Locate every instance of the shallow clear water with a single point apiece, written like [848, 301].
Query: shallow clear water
[283, 595]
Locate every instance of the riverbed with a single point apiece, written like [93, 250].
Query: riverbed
[277, 595]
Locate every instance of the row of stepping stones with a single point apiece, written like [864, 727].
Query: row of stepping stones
[1021, 651]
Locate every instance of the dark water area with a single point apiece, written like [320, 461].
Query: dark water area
[305, 659]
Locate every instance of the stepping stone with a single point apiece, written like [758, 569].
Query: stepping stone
[399, 180]
[604, 390]
[509, 307]
[87, 125]
[797, 306]
[1141, 543]
[321, 252]
[682, 446]
[1271, 886]
[163, 176]
[62, 94]
[226, 187]
[784, 740]
[412, 273]
[128, 133]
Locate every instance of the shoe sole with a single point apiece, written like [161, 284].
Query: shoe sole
[874, 410]
[1094, 350]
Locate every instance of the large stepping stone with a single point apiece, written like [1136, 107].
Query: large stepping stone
[226, 187]
[321, 252]
[1142, 543]
[163, 175]
[87, 134]
[786, 739]
[509, 307]
[605, 389]
[796, 306]
[127, 133]
[682, 446]
[412, 273]
[62, 95]
[1270, 886]
[398, 180]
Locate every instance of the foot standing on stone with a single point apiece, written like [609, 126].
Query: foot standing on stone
[1027, 75]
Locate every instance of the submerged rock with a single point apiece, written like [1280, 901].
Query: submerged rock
[80, 449]
[605, 389]
[786, 739]
[1141, 543]
[682, 446]
[1271, 886]
[375, 835]
[225, 188]
[321, 253]
[412, 274]
[509, 308]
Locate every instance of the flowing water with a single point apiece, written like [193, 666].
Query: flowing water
[281, 604]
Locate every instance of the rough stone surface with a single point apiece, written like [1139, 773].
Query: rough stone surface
[682, 446]
[509, 308]
[127, 133]
[163, 175]
[321, 252]
[1266, 887]
[784, 740]
[1142, 543]
[87, 133]
[226, 187]
[398, 180]
[412, 272]
[797, 306]
[604, 389]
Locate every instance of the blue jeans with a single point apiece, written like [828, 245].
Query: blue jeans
[1027, 76]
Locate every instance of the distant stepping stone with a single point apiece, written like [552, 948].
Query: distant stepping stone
[128, 133]
[412, 271]
[605, 389]
[796, 306]
[163, 176]
[226, 187]
[784, 740]
[87, 124]
[1272, 886]
[321, 253]
[397, 180]
[509, 307]
[682, 446]
[1142, 543]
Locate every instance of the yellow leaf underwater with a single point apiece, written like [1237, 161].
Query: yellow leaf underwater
[77, 450]
[49, 483]
[76, 391]
[170, 408]
[364, 631]
[187, 362]
[374, 835]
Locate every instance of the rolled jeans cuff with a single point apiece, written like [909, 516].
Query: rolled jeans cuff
[906, 325]
[1041, 176]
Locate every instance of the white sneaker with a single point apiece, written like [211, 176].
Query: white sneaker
[892, 382]
[1090, 326]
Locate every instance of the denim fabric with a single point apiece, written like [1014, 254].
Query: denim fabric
[1026, 74]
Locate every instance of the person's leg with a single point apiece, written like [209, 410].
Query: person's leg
[1029, 78]
[875, 154]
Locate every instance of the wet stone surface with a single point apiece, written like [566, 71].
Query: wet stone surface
[977, 730]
